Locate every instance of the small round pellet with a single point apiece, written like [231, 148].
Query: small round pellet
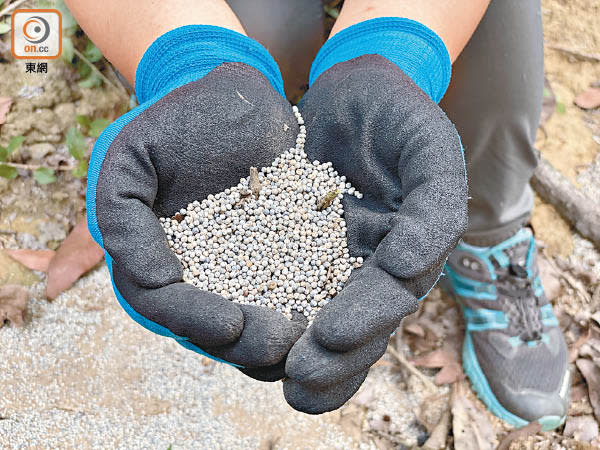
[285, 249]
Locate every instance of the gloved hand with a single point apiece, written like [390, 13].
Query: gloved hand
[371, 111]
[211, 106]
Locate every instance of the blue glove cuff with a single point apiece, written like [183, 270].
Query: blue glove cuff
[413, 47]
[187, 53]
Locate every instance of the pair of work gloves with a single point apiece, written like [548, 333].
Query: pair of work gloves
[211, 106]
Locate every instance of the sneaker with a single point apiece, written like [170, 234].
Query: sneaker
[514, 352]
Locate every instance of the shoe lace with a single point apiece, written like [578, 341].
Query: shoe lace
[520, 303]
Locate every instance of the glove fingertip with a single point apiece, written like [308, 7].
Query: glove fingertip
[211, 319]
[265, 340]
[336, 335]
[310, 364]
[372, 305]
[318, 401]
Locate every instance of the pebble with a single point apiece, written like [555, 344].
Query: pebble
[275, 250]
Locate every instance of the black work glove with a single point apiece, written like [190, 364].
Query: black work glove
[397, 147]
[196, 132]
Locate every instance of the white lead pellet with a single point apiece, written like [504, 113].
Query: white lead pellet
[285, 249]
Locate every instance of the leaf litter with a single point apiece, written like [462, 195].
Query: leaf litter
[13, 304]
[520, 433]
[439, 434]
[77, 254]
[583, 428]
[447, 359]
[32, 259]
[5, 104]
[471, 427]
[588, 99]
[591, 374]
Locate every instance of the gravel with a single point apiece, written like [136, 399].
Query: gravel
[278, 239]
[82, 374]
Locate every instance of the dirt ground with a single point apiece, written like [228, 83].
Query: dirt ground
[81, 374]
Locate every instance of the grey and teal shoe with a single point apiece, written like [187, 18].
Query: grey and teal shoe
[514, 352]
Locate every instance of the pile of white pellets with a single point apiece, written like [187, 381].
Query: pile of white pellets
[277, 239]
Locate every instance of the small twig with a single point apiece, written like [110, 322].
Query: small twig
[255, 185]
[7, 232]
[121, 87]
[573, 52]
[10, 7]
[527, 430]
[37, 166]
[575, 206]
[411, 368]
[95, 69]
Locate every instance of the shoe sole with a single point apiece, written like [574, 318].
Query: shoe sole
[484, 391]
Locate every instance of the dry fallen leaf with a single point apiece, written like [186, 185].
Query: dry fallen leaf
[439, 435]
[582, 428]
[350, 419]
[445, 358]
[470, 425]
[414, 328]
[575, 347]
[13, 304]
[430, 410]
[579, 392]
[434, 326]
[5, 103]
[591, 348]
[32, 259]
[591, 373]
[76, 255]
[366, 396]
[420, 345]
[588, 99]
[550, 278]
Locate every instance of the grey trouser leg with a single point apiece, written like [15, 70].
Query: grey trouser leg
[495, 97]
[292, 31]
[495, 101]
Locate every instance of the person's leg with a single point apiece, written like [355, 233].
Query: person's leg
[514, 352]
[495, 100]
[291, 31]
